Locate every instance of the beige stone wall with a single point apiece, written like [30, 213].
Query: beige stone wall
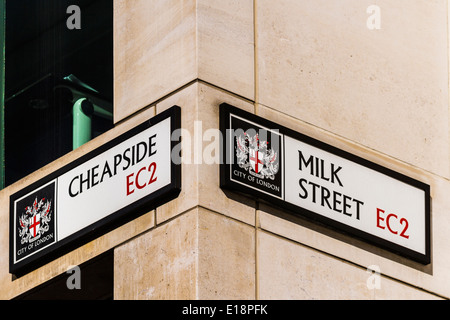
[312, 66]
[317, 68]
[385, 89]
[246, 250]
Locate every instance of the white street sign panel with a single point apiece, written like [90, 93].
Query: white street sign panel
[355, 195]
[108, 187]
[320, 182]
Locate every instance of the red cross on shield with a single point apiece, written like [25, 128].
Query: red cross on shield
[35, 223]
[256, 160]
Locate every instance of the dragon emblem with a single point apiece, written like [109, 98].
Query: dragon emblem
[35, 221]
[254, 156]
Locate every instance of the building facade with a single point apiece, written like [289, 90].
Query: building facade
[367, 77]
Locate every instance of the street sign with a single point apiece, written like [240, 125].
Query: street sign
[102, 190]
[318, 181]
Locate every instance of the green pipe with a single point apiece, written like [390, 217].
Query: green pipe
[82, 122]
[2, 92]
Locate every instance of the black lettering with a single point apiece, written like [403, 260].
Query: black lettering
[314, 191]
[106, 170]
[317, 167]
[336, 201]
[330, 199]
[347, 199]
[94, 175]
[322, 170]
[117, 161]
[151, 144]
[85, 181]
[334, 175]
[325, 197]
[73, 195]
[127, 159]
[306, 163]
[301, 182]
[358, 207]
[139, 156]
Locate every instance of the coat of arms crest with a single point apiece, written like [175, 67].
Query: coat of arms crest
[35, 222]
[255, 156]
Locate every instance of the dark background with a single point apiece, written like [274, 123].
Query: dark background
[48, 193]
[237, 124]
[40, 52]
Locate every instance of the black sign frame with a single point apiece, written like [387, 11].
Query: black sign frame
[113, 220]
[227, 184]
